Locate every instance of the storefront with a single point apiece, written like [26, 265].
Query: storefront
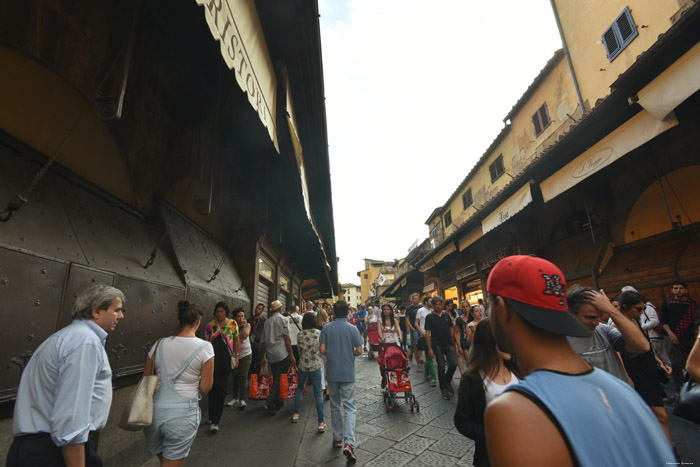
[469, 284]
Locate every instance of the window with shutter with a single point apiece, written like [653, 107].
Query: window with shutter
[619, 34]
[448, 218]
[541, 119]
[467, 199]
[496, 168]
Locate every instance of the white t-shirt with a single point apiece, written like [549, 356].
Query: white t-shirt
[492, 389]
[294, 330]
[175, 351]
[420, 317]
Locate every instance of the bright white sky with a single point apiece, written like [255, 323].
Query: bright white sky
[416, 91]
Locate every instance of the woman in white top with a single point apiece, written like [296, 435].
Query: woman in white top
[489, 373]
[389, 333]
[388, 329]
[184, 365]
[245, 357]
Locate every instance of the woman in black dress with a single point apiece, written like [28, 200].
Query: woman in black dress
[641, 368]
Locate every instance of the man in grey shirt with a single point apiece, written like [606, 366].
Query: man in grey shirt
[277, 349]
[601, 347]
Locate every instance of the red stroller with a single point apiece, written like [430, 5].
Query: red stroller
[373, 337]
[394, 363]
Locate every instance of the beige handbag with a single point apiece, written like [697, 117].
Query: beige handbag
[138, 413]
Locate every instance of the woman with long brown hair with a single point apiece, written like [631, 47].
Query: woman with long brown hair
[489, 373]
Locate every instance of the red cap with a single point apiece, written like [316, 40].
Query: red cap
[536, 289]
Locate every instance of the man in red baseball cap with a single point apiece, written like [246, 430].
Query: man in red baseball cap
[564, 412]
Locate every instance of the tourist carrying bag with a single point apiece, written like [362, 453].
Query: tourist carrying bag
[259, 388]
[138, 413]
[688, 402]
[288, 383]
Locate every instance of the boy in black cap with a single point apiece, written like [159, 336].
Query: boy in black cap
[564, 412]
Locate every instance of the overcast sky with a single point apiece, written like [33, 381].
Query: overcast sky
[416, 91]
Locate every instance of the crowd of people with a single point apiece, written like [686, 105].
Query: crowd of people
[541, 365]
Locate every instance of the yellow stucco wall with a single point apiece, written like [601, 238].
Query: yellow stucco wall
[520, 145]
[39, 109]
[584, 23]
[364, 285]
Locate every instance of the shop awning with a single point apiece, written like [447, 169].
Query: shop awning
[633, 133]
[299, 157]
[427, 265]
[473, 235]
[511, 207]
[235, 24]
[395, 287]
[439, 256]
[677, 83]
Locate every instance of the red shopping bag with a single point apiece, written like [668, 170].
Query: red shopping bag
[259, 388]
[289, 383]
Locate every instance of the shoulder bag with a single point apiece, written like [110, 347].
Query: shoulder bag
[138, 413]
[688, 402]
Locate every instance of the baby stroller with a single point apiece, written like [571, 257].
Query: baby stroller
[373, 337]
[394, 363]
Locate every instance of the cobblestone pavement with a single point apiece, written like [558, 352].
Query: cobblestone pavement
[424, 438]
[253, 438]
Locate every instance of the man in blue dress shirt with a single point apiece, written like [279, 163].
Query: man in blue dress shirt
[341, 342]
[65, 391]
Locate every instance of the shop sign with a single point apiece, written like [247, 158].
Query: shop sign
[466, 272]
[493, 259]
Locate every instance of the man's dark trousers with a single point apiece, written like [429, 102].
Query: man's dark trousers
[278, 369]
[443, 353]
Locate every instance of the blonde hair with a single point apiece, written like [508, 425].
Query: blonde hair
[321, 317]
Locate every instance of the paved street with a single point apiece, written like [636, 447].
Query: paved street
[252, 438]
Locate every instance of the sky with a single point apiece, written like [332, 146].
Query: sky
[416, 91]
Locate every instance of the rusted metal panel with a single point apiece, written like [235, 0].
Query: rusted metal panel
[151, 313]
[115, 239]
[41, 225]
[31, 288]
[199, 256]
[79, 279]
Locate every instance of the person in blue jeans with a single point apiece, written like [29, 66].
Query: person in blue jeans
[340, 343]
[310, 364]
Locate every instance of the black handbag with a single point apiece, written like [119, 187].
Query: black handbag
[661, 373]
[688, 402]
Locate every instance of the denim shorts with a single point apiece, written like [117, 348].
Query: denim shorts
[173, 431]
[415, 335]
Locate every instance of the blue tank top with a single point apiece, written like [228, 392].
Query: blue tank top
[602, 420]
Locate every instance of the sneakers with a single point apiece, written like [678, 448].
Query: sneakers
[433, 383]
[445, 394]
[337, 443]
[321, 427]
[213, 427]
[295, 418]
[349, 452]
[232, 403]
[242, 405]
